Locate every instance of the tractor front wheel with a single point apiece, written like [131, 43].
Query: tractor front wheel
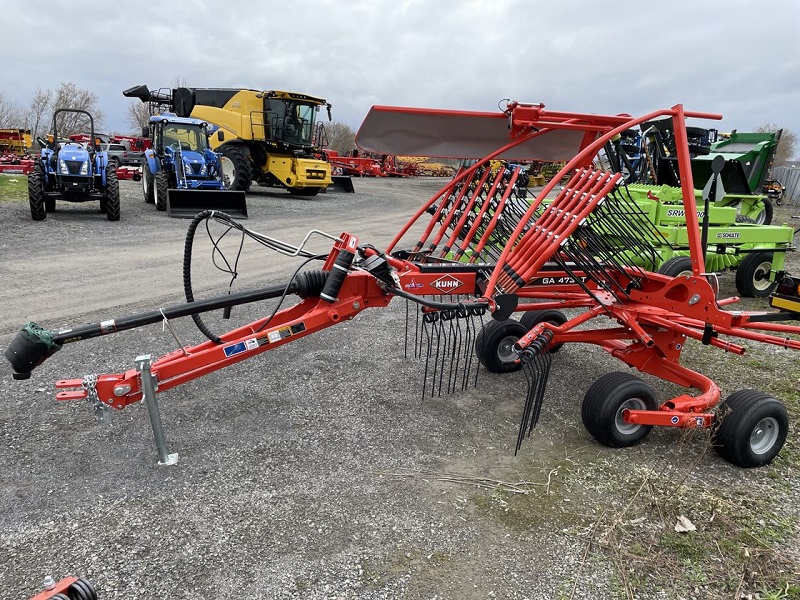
[604, 407]
[242, 175]
[752, 275]
[147, 184]
[161, 190]
[111, 198]
[36, 194]
[494, 345]
[750, 428]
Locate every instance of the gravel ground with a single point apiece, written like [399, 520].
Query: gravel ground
[315, 470]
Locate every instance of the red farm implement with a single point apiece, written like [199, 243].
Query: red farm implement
[476, 255]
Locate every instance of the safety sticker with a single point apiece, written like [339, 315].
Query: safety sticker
[240, 347]
[276, 335]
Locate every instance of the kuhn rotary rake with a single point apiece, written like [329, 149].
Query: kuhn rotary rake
[485, 252]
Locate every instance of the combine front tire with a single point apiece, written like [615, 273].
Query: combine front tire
[750, 428]
[605, 403]
[752, 275]
[111, 199]
[494, 345]
[161, 190]
[242, 175]
[36, 194]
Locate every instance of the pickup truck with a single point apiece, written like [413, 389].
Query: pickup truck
[120, 155]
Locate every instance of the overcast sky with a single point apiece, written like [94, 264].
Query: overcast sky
[740, 58]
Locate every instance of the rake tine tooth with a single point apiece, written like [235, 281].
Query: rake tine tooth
[405, 339]
[427, 356]
[529, 378]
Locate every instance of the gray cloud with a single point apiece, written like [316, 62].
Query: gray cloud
[738, 58]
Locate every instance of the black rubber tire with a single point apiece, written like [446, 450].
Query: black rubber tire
[148, 185]
[676, 266]
[752, 275]
[750, 428]
[604, 403]
[493, 345]
[36, 193]
[303, 191]
[161, 189]
[112, 201]
[49, 204]
[531, 318]
[740, 218]
[765, 216]
[243, 176]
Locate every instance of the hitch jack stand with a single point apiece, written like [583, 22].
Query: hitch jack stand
[149, 391]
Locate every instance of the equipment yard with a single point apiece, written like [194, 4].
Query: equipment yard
[319, 471]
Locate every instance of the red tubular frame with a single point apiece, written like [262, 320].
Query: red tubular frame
[653, 320]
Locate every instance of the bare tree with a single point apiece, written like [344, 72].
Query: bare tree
[38, 110]
[11, 117]
[787, 145]
[138, 116]
[71, 96]
[340, 137]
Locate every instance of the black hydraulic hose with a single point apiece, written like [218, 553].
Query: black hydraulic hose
[187, 273]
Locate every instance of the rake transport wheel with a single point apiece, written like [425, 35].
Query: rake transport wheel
[36, 194]
[161, 189]
[605, 402]
[765, 216]
[750, 428]
[242, 175]
[531, 318]
[494, 345]
[676, 266]
[82, 590]
[752, 275]
[148, 187]
[111, 197]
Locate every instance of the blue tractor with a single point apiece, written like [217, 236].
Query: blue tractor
[72, 171]
[181, 174]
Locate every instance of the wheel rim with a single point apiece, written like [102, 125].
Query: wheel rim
[619, 421]
[764, 435]
[144, 184]
[761, 280]
[762, 216]
[505, 349]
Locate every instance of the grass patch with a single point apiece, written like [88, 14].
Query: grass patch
[13, 188]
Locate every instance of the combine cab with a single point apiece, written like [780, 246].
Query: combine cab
[72, 171]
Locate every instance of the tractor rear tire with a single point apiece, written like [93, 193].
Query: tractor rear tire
[147, 184]
[750, 428]
[111, 198]
[242, 169]
[531, 318]
[494, 345]
[604, 404]
[161, 190]
[36, 194]
[752, 275]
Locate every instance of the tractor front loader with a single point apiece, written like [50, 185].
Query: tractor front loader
[182, 175]
[473, 258]
[74, 172]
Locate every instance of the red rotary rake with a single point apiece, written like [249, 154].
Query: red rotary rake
[484, 247]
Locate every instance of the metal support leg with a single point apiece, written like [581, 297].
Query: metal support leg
[149, 391]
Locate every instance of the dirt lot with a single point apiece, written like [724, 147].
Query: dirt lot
[316, 470]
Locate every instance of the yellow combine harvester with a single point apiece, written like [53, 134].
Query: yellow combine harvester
[271, 137]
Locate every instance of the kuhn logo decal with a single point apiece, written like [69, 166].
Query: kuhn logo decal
[447, 284]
